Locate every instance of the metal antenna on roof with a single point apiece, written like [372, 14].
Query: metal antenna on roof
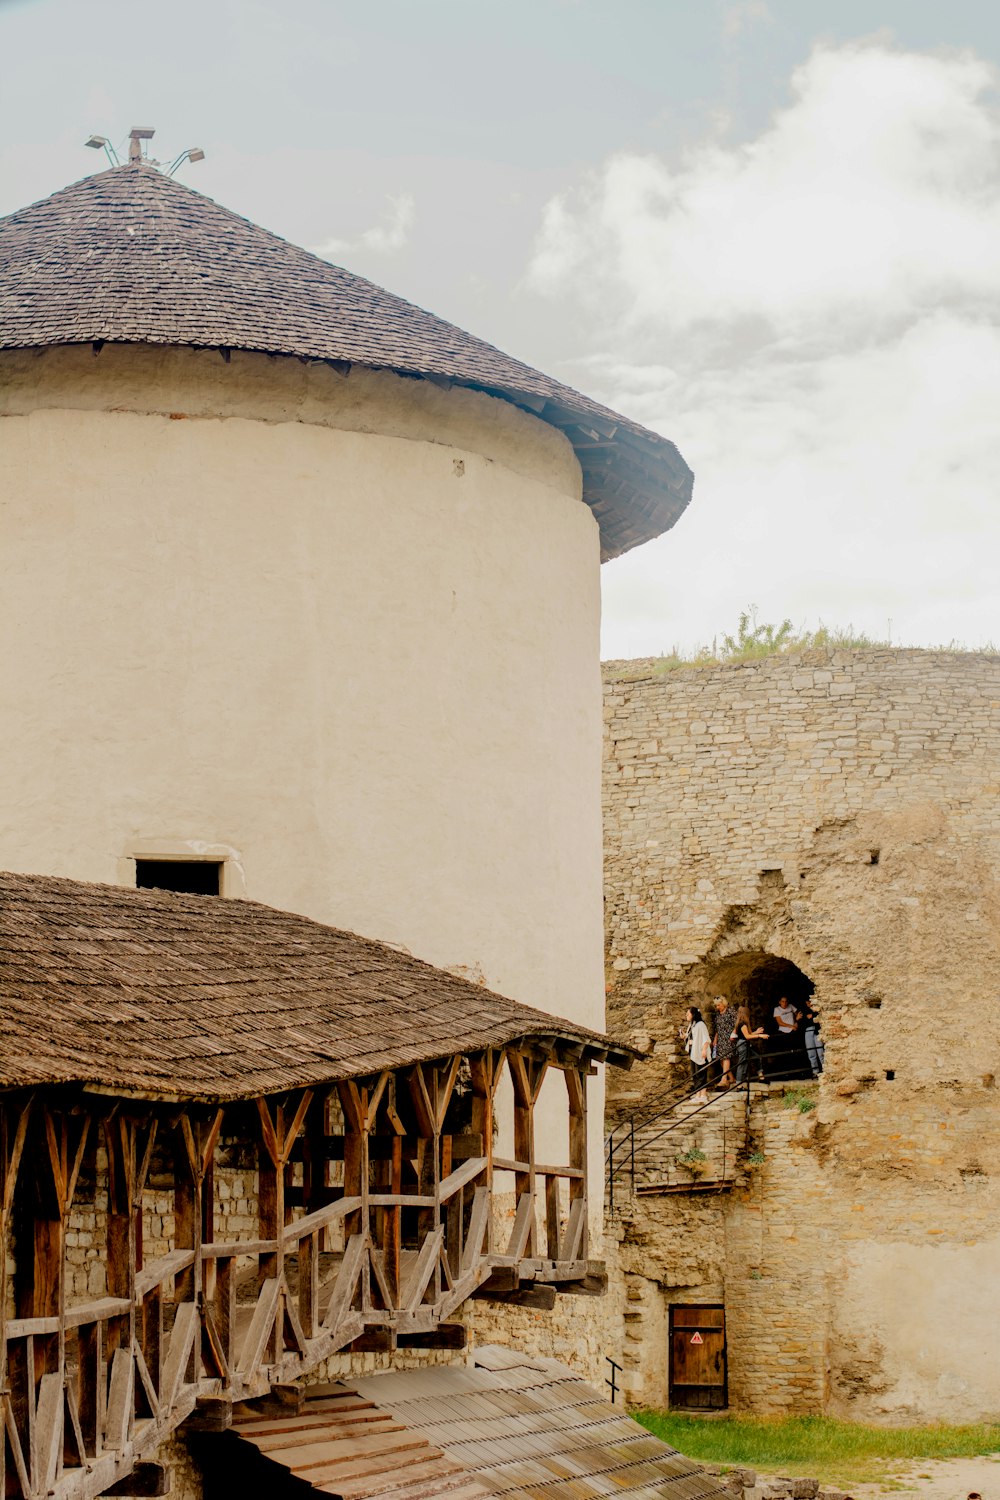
[193, 153]
[136, 136]
[99, 141]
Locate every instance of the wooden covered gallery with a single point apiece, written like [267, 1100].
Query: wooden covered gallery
[234, 1142]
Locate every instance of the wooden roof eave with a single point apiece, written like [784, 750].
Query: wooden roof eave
[563, 1052]
[652, 483]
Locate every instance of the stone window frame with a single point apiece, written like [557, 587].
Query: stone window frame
[232, 877]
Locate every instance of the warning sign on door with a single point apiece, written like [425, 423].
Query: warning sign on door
[696, 1338]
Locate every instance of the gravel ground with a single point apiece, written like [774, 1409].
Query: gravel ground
[943, 1479]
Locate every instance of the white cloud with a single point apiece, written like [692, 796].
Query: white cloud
[876, 190]
[812, 316]
[382, 239]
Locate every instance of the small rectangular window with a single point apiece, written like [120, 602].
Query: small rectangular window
[198, 877]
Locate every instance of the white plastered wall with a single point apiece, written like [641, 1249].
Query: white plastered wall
[344, 629]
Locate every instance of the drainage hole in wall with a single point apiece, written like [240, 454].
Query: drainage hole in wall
[890, 1074]
[873, 855]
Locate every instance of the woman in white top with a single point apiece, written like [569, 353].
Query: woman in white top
[698, 1046]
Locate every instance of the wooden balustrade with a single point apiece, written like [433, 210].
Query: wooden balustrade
[376, 1217]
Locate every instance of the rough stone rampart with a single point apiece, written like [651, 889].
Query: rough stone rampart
[838, 812]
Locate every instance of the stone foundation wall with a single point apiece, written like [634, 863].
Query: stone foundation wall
[841, 813]
[583, 1332]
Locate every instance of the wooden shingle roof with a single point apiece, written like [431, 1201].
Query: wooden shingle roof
[133, 256]
[174, 996]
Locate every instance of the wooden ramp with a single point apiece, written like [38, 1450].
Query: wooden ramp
[340, 1444]
[506, 1425]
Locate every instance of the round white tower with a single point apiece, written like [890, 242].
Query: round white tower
[300, 579]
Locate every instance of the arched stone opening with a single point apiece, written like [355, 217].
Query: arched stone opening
[759, 980]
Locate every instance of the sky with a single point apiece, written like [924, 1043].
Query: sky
[769, 229]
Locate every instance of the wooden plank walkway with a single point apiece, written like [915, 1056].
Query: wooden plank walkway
[526, 1429]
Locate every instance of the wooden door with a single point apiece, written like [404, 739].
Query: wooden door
[698, 1357]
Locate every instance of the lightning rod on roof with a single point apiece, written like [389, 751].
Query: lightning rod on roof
[138, 152]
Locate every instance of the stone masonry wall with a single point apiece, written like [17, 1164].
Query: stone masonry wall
[840, 812]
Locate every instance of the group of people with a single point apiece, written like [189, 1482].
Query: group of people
[737, 1040]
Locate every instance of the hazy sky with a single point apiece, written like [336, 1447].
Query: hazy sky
[768, 228]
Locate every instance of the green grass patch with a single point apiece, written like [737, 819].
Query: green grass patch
[799, 1099]
[755, 640]
[838, 1454]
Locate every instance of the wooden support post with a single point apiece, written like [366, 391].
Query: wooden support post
[38, 1381]
[14, 1120]
[278, 1136]
[444, 1080]
[576, 1089]
[486, 1069]
[316, 1190]
[425, 1093]
[315, 1195]
[224, 1308]
[355, 1156]
[129, 1146]
[40, 1210]
[527, 1075]
[271, 1220]
[194, 1207]
[187, 1212]
[391, 1180]
[552, 1221]
[120, 1144]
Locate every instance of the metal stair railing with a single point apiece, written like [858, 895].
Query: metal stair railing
[620, 1145]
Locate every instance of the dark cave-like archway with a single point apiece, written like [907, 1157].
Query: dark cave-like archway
[759, 979]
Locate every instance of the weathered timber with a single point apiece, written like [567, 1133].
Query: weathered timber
[370, 1244]
[541, 1298]
[444, 1336]
[145, 1479]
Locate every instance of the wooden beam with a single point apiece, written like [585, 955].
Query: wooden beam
[540, 1298]
[374, 1341]
[501, 1279]
[594, 1284]
[145, 1479]
[444, 1336]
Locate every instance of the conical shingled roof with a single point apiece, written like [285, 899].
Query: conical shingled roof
[133, 256]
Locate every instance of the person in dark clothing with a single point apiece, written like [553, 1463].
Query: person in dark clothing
[812, 1038]
[745, 1035]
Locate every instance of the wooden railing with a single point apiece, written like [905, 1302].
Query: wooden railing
[376, 1216]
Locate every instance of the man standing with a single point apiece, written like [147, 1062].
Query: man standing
[786, 1019]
